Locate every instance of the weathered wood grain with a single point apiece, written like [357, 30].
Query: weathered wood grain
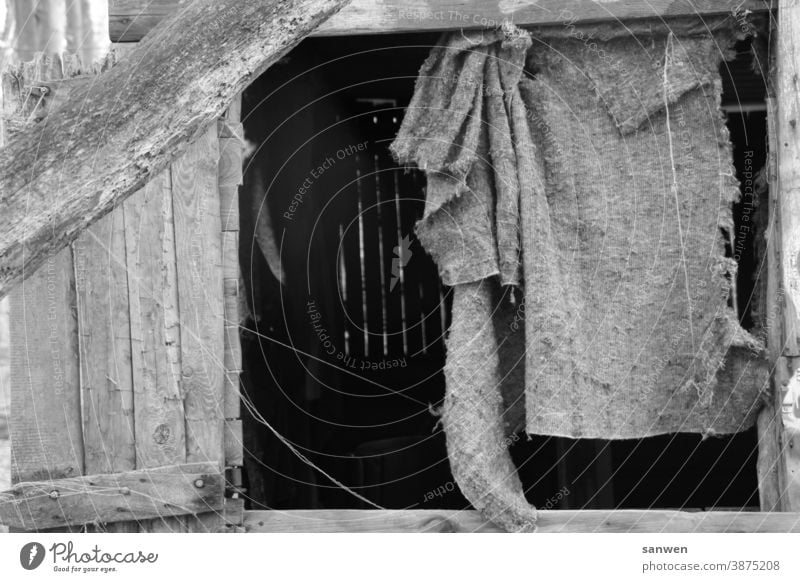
[133, 495]
[160, 432]
[231, 145]
[230, 176]
[155, 336]
[234, 456]
[44, 424]
[105, 346]
[104, 143]
[554, 521]
[130, 20]
[788, 135]
[233, 349]
[770, 466]
[198, 256]
[230, 254]
[45, 398]
[104, 335]
[232, 395]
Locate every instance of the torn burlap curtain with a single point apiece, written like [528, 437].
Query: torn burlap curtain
[596, 176]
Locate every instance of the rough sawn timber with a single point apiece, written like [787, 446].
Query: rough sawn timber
[550, 521]
[130, 20]
[788, 229]
[109, 139]
[133, 495]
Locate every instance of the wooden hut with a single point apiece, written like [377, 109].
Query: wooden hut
[120, 251]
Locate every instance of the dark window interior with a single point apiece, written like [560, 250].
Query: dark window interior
[344, 360]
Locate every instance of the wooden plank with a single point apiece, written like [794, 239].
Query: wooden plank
[158, 403]
[552, 521]
[231, 144]
[155, 337]
[234, 456]
[130, 20]
[105, 351]
[198, 256]
[787, 88]
[105, 346]
[231, 140]
[45, 420]
[770, 467]
[233, 349]
[133, 495]
[231, 391]
[230, 254]
[231, 298]
[185, 75]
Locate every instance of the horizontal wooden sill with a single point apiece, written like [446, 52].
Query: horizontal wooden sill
[553, 521]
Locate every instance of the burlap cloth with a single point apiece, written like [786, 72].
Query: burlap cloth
[595, 178]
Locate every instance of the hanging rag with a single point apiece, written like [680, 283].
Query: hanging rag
[598, 177]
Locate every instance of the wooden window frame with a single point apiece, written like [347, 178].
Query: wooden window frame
[778, 429]
[778, 439]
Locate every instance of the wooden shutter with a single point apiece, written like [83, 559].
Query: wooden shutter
[124, 379]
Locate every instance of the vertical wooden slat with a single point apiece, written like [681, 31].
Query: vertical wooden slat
[105, 346]
[198, 258]
[105, 350]
[788, 134]
[45, 423]
[155, 349]
[769, 425]
[231, 140]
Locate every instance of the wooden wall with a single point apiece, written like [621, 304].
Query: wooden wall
[121, 353]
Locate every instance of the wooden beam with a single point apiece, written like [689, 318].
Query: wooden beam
[554, 521]
[133, 495]
[788, 119]
[130, 20]
[770, 425]
[107, 141]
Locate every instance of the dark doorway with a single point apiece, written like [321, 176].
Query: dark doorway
[345, 359]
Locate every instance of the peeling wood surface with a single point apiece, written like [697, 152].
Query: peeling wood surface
[133, 495]
[553, 521]
[107, 140]
[130, 20]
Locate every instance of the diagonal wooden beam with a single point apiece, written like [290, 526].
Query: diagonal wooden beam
[109, 138]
